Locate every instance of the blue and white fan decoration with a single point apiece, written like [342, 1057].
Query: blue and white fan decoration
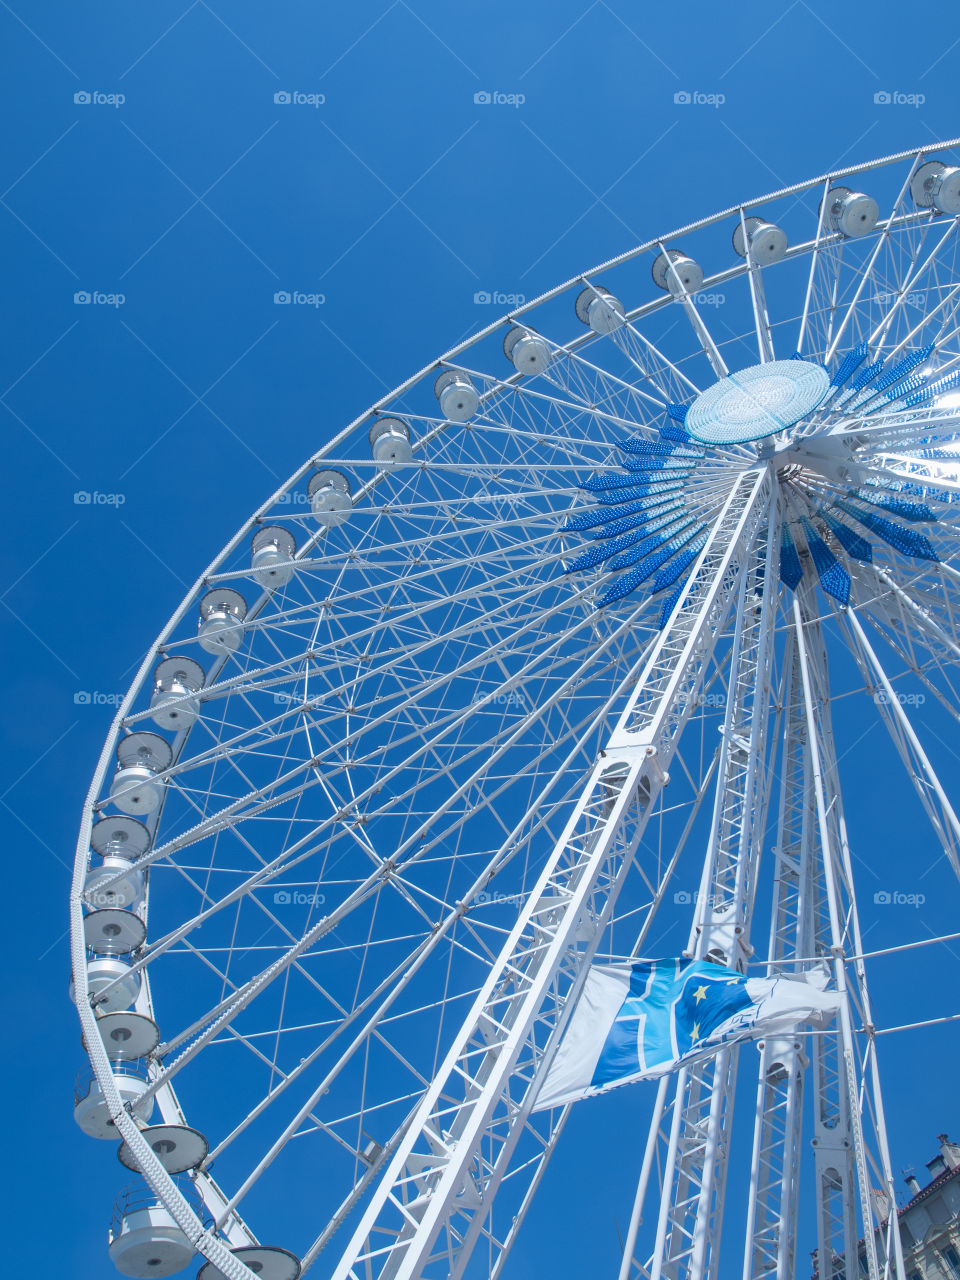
[651, 513]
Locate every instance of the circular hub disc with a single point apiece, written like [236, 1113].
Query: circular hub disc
[757, 402]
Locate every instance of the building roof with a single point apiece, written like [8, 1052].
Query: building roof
[932, 1187]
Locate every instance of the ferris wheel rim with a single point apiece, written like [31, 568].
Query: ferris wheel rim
[448, 356]
[77, 901]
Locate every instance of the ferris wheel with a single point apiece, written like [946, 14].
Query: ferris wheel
[433, 733]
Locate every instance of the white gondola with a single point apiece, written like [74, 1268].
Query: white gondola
[222, 612]
[676, 272]
[458, 397]
[136, 787]
[127, 1036]
[273, 549]
[90, 1109]
[390, 442]
[176, 1146]
[937, 185]
[600, 310]
[767, 242]
[112, 983]
[110, 932]
[172, 706]
[851, 212]
[144, 1237]
[265, 1262]
[119, 841]
[330, 498]
[526, 350]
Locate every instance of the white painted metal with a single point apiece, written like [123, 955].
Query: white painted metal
[770, 1241]
[691, 1208]
[423, 657]
[432, 1201]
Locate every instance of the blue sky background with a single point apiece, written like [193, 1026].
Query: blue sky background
[399, 200]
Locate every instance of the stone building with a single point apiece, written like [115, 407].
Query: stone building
[929, 1221]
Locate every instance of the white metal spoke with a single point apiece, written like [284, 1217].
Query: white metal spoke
[928, 786]
[412, 781]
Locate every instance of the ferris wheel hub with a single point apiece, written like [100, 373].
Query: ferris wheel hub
[757, 402]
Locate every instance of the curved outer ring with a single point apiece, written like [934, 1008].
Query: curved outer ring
[154, 1173]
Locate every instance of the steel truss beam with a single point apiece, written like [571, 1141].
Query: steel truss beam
[695, 1153]
[435, 1197]
[770, 1249]
[846, 1083]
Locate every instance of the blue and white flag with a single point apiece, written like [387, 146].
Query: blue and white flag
[643, 1018]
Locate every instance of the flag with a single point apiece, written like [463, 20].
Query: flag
[643, 1018]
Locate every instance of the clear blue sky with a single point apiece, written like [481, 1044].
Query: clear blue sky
[398, 199]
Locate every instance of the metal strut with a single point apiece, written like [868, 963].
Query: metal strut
[436, 1195]
[696, 1151]
[770, 1249]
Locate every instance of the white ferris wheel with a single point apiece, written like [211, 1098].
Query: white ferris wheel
[435, 730]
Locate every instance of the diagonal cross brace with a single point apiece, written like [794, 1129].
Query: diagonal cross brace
[435, 1196]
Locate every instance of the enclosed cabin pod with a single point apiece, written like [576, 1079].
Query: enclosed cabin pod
[111, 935]
[330, 498]
[390, 442]
[937, 185]
[119, 842]
[600, 310]
[266, 1262]
[90, 1108]
[127, 1036]
[767, 242]
[112, 984]
[176, 1146]
[112, 932]
[273, 550]
[676, 272]
[222, 612]
[144, 1237]
[526, 350]
[137, 787]
[458, 397]
[850, 212]
[172, 706]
